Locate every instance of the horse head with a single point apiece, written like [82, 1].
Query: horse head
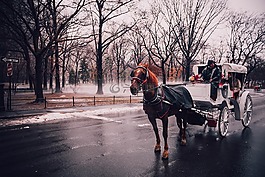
[139, 77]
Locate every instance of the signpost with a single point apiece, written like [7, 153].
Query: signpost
[11, 60]
[9, 70]
[9, 73]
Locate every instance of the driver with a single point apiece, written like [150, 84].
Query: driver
[211, 74]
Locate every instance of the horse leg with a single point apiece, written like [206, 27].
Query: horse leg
[182, 124]
[154, 124]
[165, 135]
[179, 123]
[183, 133]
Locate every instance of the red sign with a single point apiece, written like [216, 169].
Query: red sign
[9, 70]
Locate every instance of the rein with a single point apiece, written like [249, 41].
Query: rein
[139, 80]
[146, 90]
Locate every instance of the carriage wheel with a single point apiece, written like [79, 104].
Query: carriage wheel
[247, 115]
[223, 122]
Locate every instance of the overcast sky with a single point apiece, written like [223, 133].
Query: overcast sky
[252, 6]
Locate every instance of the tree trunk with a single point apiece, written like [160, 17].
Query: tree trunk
[29, 72]
[38, 80]
[163, 72]
[99, 74]
[99, 62]
[118, 72]
[57, 70]
[187, 73]
[63, 73]
[76, 73]
[45, 78]
[51, 72]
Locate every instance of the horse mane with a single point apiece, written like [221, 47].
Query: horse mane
[152, 76]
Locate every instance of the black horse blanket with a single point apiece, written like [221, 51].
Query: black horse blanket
[176, 96]
[179, 96]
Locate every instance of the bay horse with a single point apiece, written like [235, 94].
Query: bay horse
[158, 103]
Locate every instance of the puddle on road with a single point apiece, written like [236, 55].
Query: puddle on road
[122, 114]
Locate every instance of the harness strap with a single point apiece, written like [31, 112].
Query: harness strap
[167, 102]
[164, 113]
[155, 100]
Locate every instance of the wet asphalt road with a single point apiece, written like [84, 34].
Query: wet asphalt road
[122, 145]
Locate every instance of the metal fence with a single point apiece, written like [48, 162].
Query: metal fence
[59, 102]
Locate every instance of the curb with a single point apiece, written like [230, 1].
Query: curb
[28, 113]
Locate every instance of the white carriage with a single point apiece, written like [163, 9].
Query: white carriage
[237, 103]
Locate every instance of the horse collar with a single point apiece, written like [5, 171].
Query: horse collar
[158, 97]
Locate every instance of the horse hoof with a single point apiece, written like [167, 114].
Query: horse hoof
[183, 142]
[157, 149]
[165, 155]
[164, 158]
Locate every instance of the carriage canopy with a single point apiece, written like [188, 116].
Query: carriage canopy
[230, 67]
[225, 68]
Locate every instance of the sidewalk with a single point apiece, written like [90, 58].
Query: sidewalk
[22, 113]
[23, 106]
[27, 113]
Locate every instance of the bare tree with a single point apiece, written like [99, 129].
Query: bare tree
[103, 13]
[161, 44]
[246, 40]
[138, 49]
[67, 48]
[31, 16]
[194, 21]
[118, 54]
[12, 35]
[217, 52]
[60, 21]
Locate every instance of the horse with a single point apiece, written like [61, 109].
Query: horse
[160, 102]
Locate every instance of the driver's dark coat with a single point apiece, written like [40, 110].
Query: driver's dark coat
[211, 73]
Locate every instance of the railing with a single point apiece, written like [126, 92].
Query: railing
[60, 102]
[87, 101]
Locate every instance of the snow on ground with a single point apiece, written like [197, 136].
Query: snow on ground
[100, 113]
[91, 89]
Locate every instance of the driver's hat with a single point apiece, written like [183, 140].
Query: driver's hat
[210, 62]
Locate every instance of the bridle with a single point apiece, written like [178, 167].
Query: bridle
[156, 98]
[140, 81]
[144, 81]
